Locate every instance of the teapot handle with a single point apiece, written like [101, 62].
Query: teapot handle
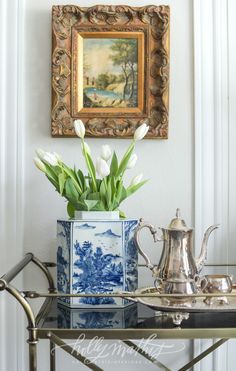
[142, 224]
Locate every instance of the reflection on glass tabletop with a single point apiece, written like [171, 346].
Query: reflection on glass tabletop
[135, 318]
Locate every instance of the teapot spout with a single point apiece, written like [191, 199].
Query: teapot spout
[203, 254]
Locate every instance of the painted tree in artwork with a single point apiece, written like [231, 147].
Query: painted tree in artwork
[86, 69]
[124, 54]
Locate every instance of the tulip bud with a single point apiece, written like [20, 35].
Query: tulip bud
[106, 152]
[102, 168]
[40, 165]
[79, 128]
[58, 157]
[40, 153]
[137, 179]
[50, 159]
[86, 148]
[132, 161]
[140, 132]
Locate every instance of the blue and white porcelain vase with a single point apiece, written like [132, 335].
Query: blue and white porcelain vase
[94, 256]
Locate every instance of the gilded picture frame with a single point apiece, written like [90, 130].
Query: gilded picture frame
[110, 68]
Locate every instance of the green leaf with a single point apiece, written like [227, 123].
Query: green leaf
[93, 196]
[99, 206]
[70, 190]
[50, 172]
[91, 164]
[81, 178]
[113, 186]
[69, 171]
[113, 191]
[125, 160]
[119, 190]
[108, 194]
[78, 179]
[55, 183]
[84, 195]
[56, 169]
[72, 176]
[70, 210]
[114, 164]
[62, 179]
[78, 205]
[115, 204]
[124, 195]
[102, 191]
[98, 182]
[90, 204]
[131, 190]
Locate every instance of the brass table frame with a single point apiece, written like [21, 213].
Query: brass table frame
[55, 336]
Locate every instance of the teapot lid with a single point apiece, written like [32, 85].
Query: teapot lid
[178, 223]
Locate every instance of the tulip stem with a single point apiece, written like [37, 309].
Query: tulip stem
[89, 167]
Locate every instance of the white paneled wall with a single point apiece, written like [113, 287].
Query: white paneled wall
[215, 135]
[194, 169]
[169, 187]
[11, 178]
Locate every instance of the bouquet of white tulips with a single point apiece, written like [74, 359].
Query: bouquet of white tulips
[102, 189]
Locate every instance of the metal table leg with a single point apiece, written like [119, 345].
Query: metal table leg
[21, 298]
[73, 352]
[52, 357]
[146, 355]
[203, 355]
[32, 356]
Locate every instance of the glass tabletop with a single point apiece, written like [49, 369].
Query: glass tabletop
[136, 320]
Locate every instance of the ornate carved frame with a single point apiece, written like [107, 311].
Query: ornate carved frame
[153, 22]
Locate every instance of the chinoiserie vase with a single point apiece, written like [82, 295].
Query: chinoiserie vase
[96, 254]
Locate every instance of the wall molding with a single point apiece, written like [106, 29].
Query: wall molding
[12, 176]
[211, 141]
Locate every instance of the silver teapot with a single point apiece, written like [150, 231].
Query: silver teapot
[178, 271]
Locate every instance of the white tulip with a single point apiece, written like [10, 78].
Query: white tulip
[140, 132]
[40, 153]
[106, 152]
[79, 128]
[132, 161]
[50, 159]
[86, 147]
[40, 165]
[102, 168]
[58, 157]
[137, 179]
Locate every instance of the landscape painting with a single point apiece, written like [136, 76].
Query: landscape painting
[110, 72]
[110, 69]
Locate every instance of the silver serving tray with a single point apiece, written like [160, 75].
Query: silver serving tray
[157, 304]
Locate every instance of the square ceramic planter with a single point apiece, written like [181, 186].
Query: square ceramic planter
[96, 256]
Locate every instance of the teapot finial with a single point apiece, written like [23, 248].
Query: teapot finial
[178, 214]
[177, 223]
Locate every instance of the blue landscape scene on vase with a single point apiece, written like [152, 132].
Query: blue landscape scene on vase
[108, 234]
[99, 272]
[131, 256]
[96, 257]
[85, 226]
[63, 258]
